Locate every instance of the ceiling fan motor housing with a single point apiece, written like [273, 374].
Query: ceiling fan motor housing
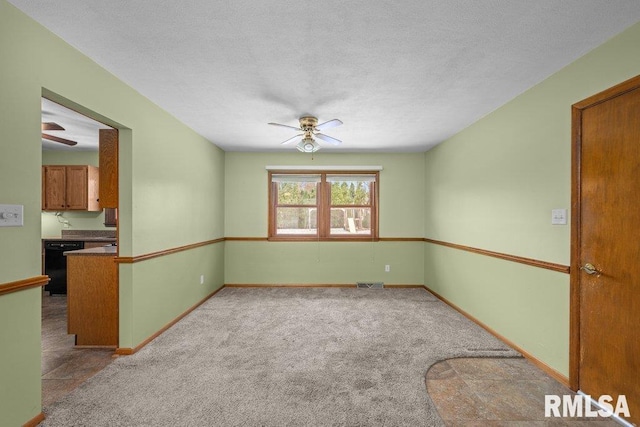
[308, 122]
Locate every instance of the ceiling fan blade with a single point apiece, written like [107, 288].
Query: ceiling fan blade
[328, 125]
[284, 126]
[329, 139]
[58, 139]
[51, 126]
[294, 139]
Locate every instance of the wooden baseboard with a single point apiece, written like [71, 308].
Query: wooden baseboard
[96, 346]
[289, 285]
[310, 285]
[126, 351]
[564, 380]
[33, 422]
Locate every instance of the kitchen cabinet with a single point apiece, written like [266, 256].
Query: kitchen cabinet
[92, 296]
[67, 188]
[110, 217]
[108, 155]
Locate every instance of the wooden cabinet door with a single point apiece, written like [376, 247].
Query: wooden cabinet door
[108, 155]
[93, 189]
[76, 187]
[54, 182]
[70, 188]
[110, 217]
[92, 296]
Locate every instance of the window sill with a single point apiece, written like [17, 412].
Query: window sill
[322, 239]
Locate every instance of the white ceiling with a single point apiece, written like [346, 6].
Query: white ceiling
[401, 75]
[77, 127]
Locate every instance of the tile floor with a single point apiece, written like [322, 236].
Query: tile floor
[496, 393]
[466, 392]
[64, 367]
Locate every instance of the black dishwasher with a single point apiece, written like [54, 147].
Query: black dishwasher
[55, 263]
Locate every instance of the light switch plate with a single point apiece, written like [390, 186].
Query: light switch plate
[559, 216]
[11, 215]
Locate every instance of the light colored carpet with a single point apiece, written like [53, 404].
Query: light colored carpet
[285, 357]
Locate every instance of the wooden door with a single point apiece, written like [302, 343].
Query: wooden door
[77, 187]
[54, 181]
[606, 234]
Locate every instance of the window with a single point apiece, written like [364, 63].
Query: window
[323, 206]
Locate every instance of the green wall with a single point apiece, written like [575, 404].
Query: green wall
[171, 194]
[20, 383]
[402, 189]
[493, 185]
[51, 225]
[153, 304]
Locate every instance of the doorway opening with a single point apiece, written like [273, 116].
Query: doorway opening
[73, 218]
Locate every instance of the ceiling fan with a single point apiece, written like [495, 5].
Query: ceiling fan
[49, 126]
[309, 127]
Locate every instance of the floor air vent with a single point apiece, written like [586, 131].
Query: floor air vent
[370, 285]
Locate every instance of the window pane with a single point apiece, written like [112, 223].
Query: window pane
[350, 192]
[297, 193]
[297, 221]
[350, 221]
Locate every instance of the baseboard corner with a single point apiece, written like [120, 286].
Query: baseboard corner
[33, 422]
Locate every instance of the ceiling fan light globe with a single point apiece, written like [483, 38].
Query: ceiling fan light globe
[308, 145]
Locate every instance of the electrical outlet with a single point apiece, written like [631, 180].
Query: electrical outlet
[202, 279]
[387, 268]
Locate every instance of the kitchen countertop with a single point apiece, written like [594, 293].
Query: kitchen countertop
[81, 239]
[101, 251]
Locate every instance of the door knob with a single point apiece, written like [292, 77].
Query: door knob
[590, 269]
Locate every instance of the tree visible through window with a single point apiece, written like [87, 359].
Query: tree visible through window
[323, 206]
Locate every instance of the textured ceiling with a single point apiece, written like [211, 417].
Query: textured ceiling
[402, 76]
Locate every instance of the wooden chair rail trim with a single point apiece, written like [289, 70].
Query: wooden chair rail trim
[401, 239]
[247, 239]
[33, 422]
[562, 379]
[20, 285]
[126, 351]
[522, 260]
[514, 258]
[144, 257]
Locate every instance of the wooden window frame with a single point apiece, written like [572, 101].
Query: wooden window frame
[323, 205]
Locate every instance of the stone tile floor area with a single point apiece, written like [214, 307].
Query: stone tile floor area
[496, 393]
[64, 367]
